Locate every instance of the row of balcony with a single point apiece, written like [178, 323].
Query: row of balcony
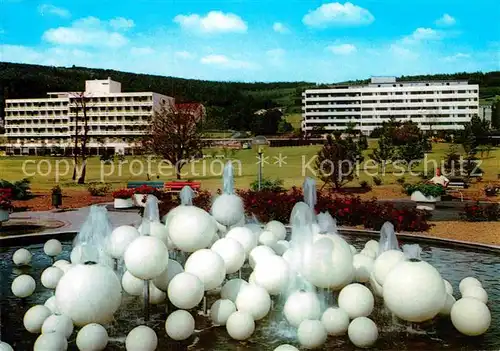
[439, 97]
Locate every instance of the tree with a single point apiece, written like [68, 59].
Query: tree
[384, 152]
[266, 123]
[495, 114]
[79, 101]
[363, 142]
[174, 135]
[410, 142]
[2, 130]
[337, 159]
[284, 126]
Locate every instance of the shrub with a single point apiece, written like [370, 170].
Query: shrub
[56, 190]
[98, 189]
[202, 199]
[20, 190]
[400, 180]
[148, 190]
[434, 190]
[364, 184]
[123, 194]
[268, 184]
[5, 202]
[492, 189]
[481, 213]
[377, 181]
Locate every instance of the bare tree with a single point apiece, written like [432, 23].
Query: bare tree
[174, 135]
[79, 101]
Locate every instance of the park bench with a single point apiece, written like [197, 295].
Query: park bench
[153, 184]
[178, 185]
[456, 185]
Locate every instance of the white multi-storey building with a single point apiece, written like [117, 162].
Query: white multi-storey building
[433, 105]
[114, 118]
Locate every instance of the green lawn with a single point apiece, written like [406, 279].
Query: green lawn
[208, 171]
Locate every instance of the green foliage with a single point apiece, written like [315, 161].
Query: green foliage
[336, 161]
[481, 213]
[266, 123]
[284, 127]
[363, 142]
[268, 184]
[377, 181]
[364, 184]
[495, 113]
[425, 188]
[56, 190]
[98, 189]
[20, 190]
[401, 180]
[452, 161]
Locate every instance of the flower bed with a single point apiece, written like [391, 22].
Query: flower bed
[348, 210]
[481, 213]
[123, 194]
[202, 199]
[5, 204]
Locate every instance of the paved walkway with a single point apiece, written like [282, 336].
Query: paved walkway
[73, 219]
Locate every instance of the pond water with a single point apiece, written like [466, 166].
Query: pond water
[453, 263]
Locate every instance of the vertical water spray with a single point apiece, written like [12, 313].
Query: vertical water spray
[310, 192]
[388, 240]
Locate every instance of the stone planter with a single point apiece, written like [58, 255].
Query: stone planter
[425, 202]
[124, 203]
[138, 198]
[4, 216]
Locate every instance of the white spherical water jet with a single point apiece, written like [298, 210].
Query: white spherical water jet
[232, 252]
[22, 257]
[448, 287]
[267, 238]
[34, 318]
[92, 337]
[51, 276]
[336, 321]
[120, 239]
[311, 334]
[5, 347]
[448, 305]
[363, 266]
[254, 300]
[89, 293]
[179, 325]
[277, 228]
[467, 282]
[23, 286]
[185, 291]
[51, 304]
[58, 323]
[51, 341]
[357, 300]
[245, 237]
[227, 209]
[376, 287]
[369, 252]
[385, 263]
[221, 310]
[281, 247]
[191, 229]
[272, 274]
[260, 254]
[132, 285]
[61, 264]
[476, 292]
[146, 257]
[240, 325]
[372, 245]
[470, 316]
[52, 247]
[300, 306]
[363, 332]
[156, 296]
[208, 266]
[414, 291]
[232, 288]
[173, 268]
[141, 338]
[286, 347]
[158, 230]
[353, 250]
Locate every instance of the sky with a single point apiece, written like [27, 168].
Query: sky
[255, 40]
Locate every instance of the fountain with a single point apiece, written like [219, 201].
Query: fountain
[303, 286]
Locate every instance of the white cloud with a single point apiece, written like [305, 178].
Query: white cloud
[47, 9]
[456, 57]
[279, 27]
[146, 50]
[213, 22]
[88, 31]
[342, 49]
[446, 20]
[402, 52]
[276, 56]
[120, 23]
[223, 61]
[422, 34]
[336, 13]
[184, 55]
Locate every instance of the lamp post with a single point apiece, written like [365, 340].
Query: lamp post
[259, 143]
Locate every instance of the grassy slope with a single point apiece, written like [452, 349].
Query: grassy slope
[11, 168]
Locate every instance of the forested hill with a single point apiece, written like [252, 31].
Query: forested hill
[229, 104]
